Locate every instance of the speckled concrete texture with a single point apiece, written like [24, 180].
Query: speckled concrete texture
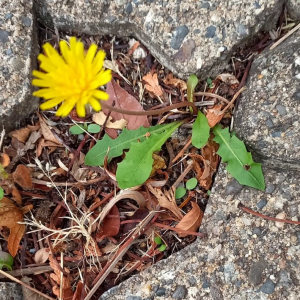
[243, 258]
[185, 36]
[269, 112]
[293, 8]
[10, 291]
[18, 50]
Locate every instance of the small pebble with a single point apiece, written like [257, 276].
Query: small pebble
[268, 287]
[281, 215]
[161, 291]
[262, 203]
[180, 292]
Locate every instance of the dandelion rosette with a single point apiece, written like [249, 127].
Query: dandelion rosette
[72, 78]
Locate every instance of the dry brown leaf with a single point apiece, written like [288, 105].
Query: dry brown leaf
[158, 164]
[4, 160]
[42, 144]
[229, 79]
[191, 221]
[80, 292]
[22, 177]
[29, 294]
[21, 134]
[166, 199]
[170, 80]
[41, 256]
[111, 225]
[126, 101]
[10, 215]
[67, 293]
[99, 118]
[214, 115]
[46, 132]
[153, 84]
[209, 153]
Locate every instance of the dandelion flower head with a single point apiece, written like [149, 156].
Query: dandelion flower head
[72, 78]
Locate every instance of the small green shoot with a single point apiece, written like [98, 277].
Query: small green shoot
[1, 192]
[79, 129]
[160, 243]
[6, 260]
[209, 82]
[191, 183]
[180, 192]
[191, 84]
[201, 131]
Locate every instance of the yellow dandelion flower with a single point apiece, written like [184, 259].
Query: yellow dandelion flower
[72, 78]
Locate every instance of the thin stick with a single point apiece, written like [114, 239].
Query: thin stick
[182, 175]
[64, 184]
[182, 150]
[150, 112]
[250, 211]
[25, 285]
[2, 138]
[232, 100]
[285, 37]
[211, 95]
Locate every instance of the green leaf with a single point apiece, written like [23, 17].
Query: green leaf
[76, 129]
[162, 248]
[180, 192]
[240, 163]
[191, 183]
[191, 84]
[209, 82]
[95, 157]
[200, 131]
[158, 240]
[1, 192]
[135, 169]
[6, 260]
[94, 128]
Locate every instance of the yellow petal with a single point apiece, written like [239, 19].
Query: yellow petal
[51, 103]
[80, 109]
[101, 79]
[95, 104]
[98, 62]
[100, 95]
[90, 54]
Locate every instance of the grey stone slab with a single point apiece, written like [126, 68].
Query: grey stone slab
[18, 52]
[268, 113]
[236, 261]
[185, 36]
[293, 8]
[10, 291]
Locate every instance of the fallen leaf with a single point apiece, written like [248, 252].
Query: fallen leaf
[110, 225]
[4, 160]
[214, 115]
[80, 292]
[191, 221]
[209, 153]
[22, 177]
[67, 293]
[153, 84]
[170, 80]
[158, 164]
[100, 118]
[166, 199]
[29, 294]
[21, 134]
[125, 101]
[46, 131]
[10, 215]
[41, 256]
[42, 144]
[229, 79]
